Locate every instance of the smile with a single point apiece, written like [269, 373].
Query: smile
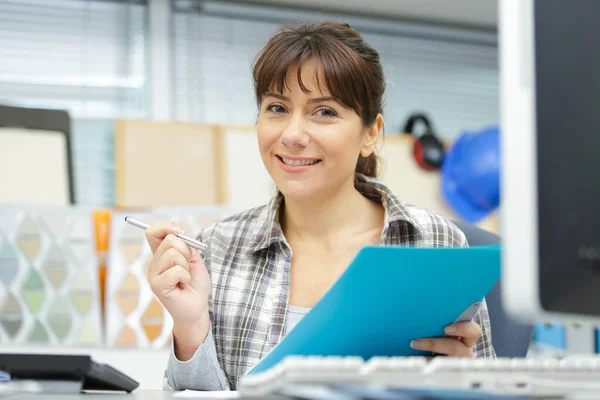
[296, 162]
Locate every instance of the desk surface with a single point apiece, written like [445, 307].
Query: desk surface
[136, 395]
[167, 395]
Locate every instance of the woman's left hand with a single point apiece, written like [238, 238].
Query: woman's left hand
[464, 335]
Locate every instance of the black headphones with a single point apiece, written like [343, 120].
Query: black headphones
[428, 150]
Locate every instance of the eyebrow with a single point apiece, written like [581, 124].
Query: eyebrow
[313, 100]
[321, 99]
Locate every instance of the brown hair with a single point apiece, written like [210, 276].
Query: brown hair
[350, 67]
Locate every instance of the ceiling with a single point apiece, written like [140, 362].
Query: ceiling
[469, 13]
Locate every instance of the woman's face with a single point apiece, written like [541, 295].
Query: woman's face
[309, 142]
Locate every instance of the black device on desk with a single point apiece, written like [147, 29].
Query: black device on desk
[65, 373]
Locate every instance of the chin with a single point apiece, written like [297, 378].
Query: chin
[295, 190]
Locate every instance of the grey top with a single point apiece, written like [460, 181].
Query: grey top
[202, 371]
[294, 315]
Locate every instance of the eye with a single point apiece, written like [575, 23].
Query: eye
[326, 113]
[276, 108]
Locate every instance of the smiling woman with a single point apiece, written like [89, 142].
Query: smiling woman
[310, 141]
[319, 89]
[333, 63]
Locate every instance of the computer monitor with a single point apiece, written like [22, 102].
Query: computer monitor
[550, 146]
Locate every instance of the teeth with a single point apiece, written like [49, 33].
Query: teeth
[299, 162]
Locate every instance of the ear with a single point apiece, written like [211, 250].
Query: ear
[371, 137]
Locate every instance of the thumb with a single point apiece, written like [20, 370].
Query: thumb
[197, 268]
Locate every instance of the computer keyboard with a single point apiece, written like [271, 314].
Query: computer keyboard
[519, 376]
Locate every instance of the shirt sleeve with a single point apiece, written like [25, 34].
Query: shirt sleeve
[483, 347]
[201, 372]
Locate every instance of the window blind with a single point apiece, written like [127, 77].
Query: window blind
[84, 56]
[452, 79]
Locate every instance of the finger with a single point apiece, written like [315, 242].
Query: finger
[449, 346]
[469, 331]
[156, 233]
[169, 259]
[173, 242]
[170, 279]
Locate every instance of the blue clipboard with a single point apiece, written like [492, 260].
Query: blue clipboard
[389, 296]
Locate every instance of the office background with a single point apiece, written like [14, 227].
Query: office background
[190, 61]
[126, 69]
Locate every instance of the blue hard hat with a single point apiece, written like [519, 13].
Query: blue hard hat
[471, 174]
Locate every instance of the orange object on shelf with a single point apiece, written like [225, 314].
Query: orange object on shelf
[102, 228]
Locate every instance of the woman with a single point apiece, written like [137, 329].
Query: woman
[319, 90]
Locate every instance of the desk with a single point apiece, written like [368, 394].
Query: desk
[135, 395]
[160, 395]
[167, 395]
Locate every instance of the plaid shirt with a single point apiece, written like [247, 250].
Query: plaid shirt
[249, 263]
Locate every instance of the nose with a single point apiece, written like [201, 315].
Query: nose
[294, 133]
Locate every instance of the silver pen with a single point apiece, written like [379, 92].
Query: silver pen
[188, 240]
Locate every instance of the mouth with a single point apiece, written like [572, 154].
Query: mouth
[298, 162]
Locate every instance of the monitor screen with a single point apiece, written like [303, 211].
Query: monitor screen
[567, 81]
[550, 146]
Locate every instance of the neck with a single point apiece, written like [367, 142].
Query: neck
[329, 217]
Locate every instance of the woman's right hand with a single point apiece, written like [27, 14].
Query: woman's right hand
[180, 280]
